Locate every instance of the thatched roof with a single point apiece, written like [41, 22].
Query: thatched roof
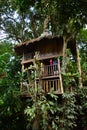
[34, 40]
[30, 43]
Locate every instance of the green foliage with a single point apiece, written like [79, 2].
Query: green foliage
[51, 114]
[69, 111]
[9, 109]
[23, 19]
[70, 78]
[5, 55]
[40, 111]
[10, 67]
[10, 103]
[64, 112]
[81, 104]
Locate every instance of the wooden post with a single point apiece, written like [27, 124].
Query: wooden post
[60, 77]
[35, 68]
[46, 86]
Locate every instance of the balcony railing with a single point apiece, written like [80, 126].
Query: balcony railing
[52, 85]
[50, 70]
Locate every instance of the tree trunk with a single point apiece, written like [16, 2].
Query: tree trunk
[46, 21]
[22, 27]
[64, 54]
[79, 66]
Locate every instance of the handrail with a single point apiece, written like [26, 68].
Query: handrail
[50, 70]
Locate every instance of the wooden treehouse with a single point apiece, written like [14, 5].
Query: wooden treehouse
[43, 53]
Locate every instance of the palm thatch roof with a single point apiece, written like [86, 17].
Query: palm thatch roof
[31, 43]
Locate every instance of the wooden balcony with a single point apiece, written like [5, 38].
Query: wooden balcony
[50, 80]
[50, 70]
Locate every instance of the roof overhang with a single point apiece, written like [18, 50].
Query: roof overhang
[31, 44]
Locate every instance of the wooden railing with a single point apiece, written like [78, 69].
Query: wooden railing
[52, 85]
[50, 70]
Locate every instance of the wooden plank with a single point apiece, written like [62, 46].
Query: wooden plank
[50, 77]
[26, 61]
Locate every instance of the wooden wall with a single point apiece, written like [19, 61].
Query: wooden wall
[52, 46]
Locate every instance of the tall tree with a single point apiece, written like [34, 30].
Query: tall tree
[19, 19]
[10, 103]
[23, 19]
[66, 19]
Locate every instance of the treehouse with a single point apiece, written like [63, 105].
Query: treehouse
[41, 59]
